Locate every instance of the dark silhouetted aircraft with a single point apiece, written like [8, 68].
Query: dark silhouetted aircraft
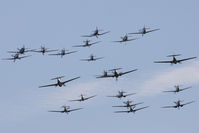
[178, 104]
[177, 89]
[132, 109]
[144, 30]
[87, 44]
[15, 57]
[59, 83]
[92, 58]
[116, 74]
[128, 104]
[125, 39]
[44, 50]
[105, 75]
[22, 50]
[175, 61]
[63, 52]
[82, 98]
[121, 94]
[96, 33]
[66, 110]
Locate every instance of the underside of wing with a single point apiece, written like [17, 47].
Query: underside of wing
[186, 59]
[79, 45]
[170, 91]
[7, 58]
[95, 43]
[48, 85]
[87, 35]
[187, 103]
[130, 94]
[152, 30]
[127, 72]
[56, 111]
[90, 97]
[136, 33]
[55, 54]
[169, 107]
[74, 109]
[76, 100]
[104, 33]
[24, 56]
[70, 80]
[141, 108]
[162, 61]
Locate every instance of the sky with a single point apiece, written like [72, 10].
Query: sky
[58, 24]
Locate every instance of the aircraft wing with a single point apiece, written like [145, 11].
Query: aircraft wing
[79, 45]
[120, 106]
[107, 76]
[186, 59]
[74, 109]
[187, 103]
[112, 96]
[121, 111]
[8, 59]
[136, 104]
[141, 108]
[51, 50]
[78, 100]
[136, 33]
[56, 111]
[185, 88]
[85, 59]
[122, 73]
[94, 43]
[70, 80]
[24, 56]
[104, 33]
[162, 61]
[87, 35]
[13, 51]
[98, 58]
[130, 94]
[90, 97]
[170, 91]
[170, 106]
[48, 85]
[71, 52]
[55, 54]
[152, 30]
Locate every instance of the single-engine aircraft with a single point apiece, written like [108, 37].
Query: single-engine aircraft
[44, 50]
[66, 110]
[128, 104]
[59, 83]
[105, 75]
[178, 104]
[96, 33]
[126, 39]
[92, 58]
[132, 109]
[15, 57]
[175, 61]
[22, 50]
[87, 44]
[116, 74]
[82, 98]
[177, 89]
[144, 30]
[121, 94]
[63, 52]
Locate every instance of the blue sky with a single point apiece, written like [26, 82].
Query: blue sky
[59, 24]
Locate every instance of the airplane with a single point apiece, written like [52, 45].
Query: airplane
[116, 74]
[125, 39]
[59, 83]
[175, 61]
[121, 94]
[83, 98]
[178, 104]
[15, 57]
[132, 109]
[177, 89]
[92, 58]
[87, 44]
[22, 50]
[96, 33]
[66, 110]
[144, 30]
[63, 52]
[43, 50]
[128, 104]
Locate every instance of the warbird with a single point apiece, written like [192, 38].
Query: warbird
[177, 89]
[87, 44]
[59, 82]
[44, 50]
[92, 58]
[132, 109]
[125, 39]
[22, 50]
[116, 74]
[128, 104]
[144, 30]
[66, 110]
[96, 33]
[15, 57]
[105, 75]
[175, 61]
[178, 104]
[121, 94]
[82, 98]
[63, 52]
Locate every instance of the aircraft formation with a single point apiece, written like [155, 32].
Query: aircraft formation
[112, 73]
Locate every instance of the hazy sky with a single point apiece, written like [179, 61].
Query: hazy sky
[59, 24]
